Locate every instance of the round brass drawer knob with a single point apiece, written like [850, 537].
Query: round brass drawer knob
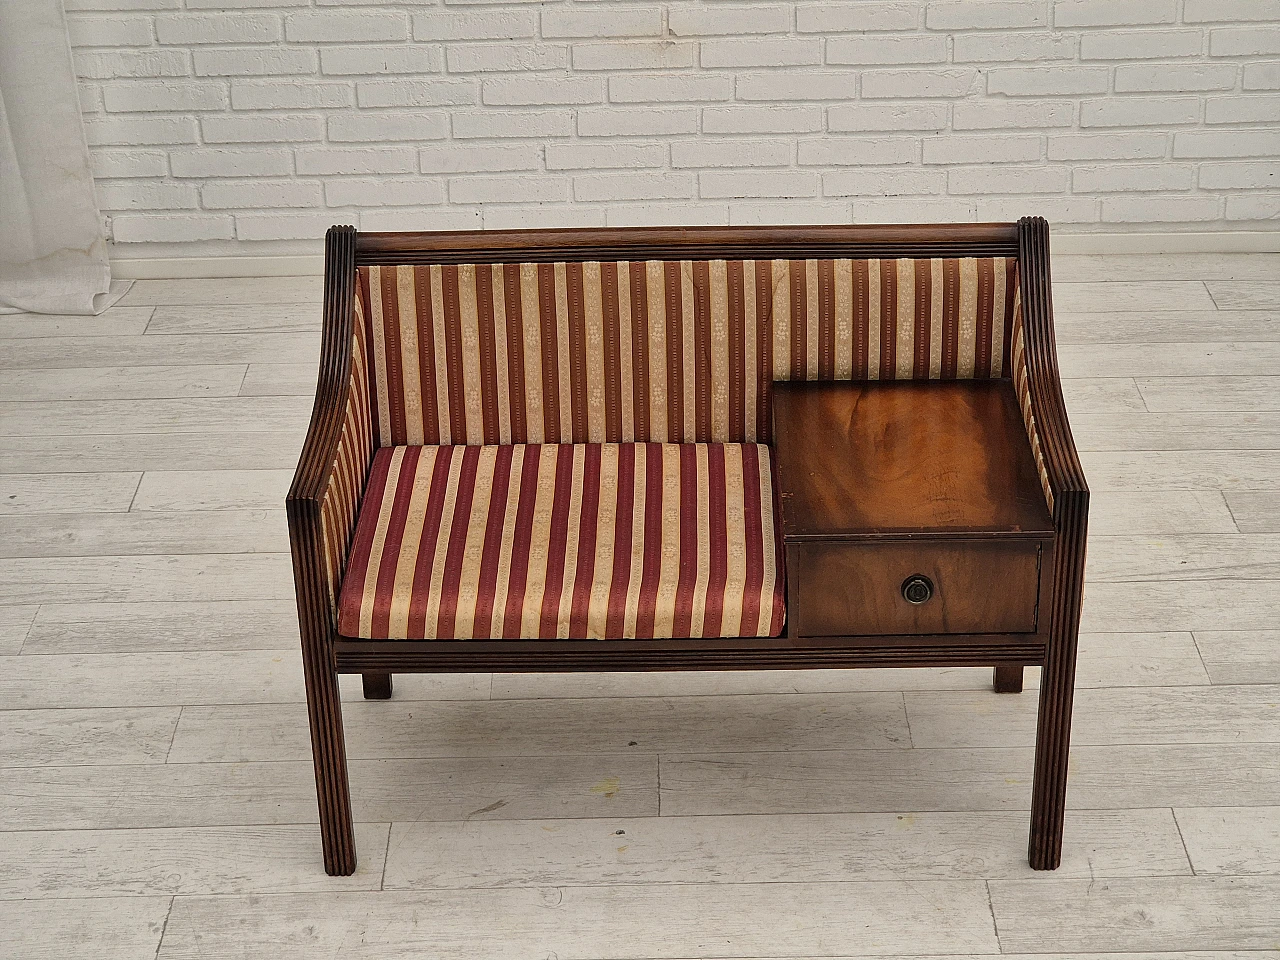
[917, 589]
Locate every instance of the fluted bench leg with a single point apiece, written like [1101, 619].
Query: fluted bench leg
[329, 753]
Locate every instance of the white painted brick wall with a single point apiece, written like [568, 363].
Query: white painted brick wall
[215, 121]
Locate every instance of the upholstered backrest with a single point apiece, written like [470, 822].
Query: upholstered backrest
[669, 351]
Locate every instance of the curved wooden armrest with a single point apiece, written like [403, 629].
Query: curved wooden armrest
[324, 498]
[323, 432]
[1062, 463]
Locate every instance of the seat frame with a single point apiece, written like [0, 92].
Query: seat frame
[325, 654]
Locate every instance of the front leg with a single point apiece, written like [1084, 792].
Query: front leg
[329, 754]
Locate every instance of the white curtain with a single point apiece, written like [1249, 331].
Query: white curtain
[53, 255]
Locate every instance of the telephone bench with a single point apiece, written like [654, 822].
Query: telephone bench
[688, 449]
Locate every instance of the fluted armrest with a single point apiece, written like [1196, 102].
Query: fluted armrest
[325, 496]
[1057, 449]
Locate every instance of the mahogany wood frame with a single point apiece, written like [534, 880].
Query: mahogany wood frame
[326, 654]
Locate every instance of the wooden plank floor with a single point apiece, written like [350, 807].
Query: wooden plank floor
[156, 796]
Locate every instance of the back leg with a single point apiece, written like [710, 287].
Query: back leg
[1008, 679]
[377, 686]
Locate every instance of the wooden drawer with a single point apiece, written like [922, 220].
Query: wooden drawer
[856, 589]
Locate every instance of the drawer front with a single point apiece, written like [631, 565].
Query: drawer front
[851, 589]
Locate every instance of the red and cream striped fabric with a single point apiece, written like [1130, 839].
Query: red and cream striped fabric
[583, 540]
[665, 351]
[1022, 388]
[342, 497]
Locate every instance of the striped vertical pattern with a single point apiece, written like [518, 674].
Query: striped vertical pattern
[342, 496]
[662, 351]
[1021, 387]
[571, 541]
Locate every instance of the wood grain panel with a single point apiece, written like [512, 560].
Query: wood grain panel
[847, 589]
[858, 459]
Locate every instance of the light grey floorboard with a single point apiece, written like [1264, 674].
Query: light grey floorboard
[123, 383]
[104, 928]
[1197, 557]
[1102, 396]
[770, 849]
[593, 923]
[52, 864]
[1195, 432]
[1255, 511]
[1190, 359]
[1183, 469]
[1232, 841]
[1246, 656]
[191, 415]
[1245, 294]
[204, 677]
[241, 576]
[229, 794]
[213, 490]
[187, 319]
[1181, 605]
[280, 380]
[1203, 394]
[37, 493]
[53, 353]
[1204, 714]
[130, 534]
[1125, 513]
[500, 728]
[1166, 266]
[15, 624]
[163, 626]
[250, 450]
[226, 290]
[1129, 916]
[116, 322]
[1148, 326]
[1080, 297]
[30, 738]
[983, 778]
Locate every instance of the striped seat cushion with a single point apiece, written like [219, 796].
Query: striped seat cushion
[601, 541]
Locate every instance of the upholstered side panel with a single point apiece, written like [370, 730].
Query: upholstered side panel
[1022, 389]
[600, 541]
[341, 502]
[665, 351]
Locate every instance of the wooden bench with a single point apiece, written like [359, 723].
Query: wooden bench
[688, 449]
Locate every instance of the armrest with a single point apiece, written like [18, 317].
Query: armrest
[325, 496]
[1057, 450]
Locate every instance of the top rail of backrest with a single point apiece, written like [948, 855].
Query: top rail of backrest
[854, 241]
